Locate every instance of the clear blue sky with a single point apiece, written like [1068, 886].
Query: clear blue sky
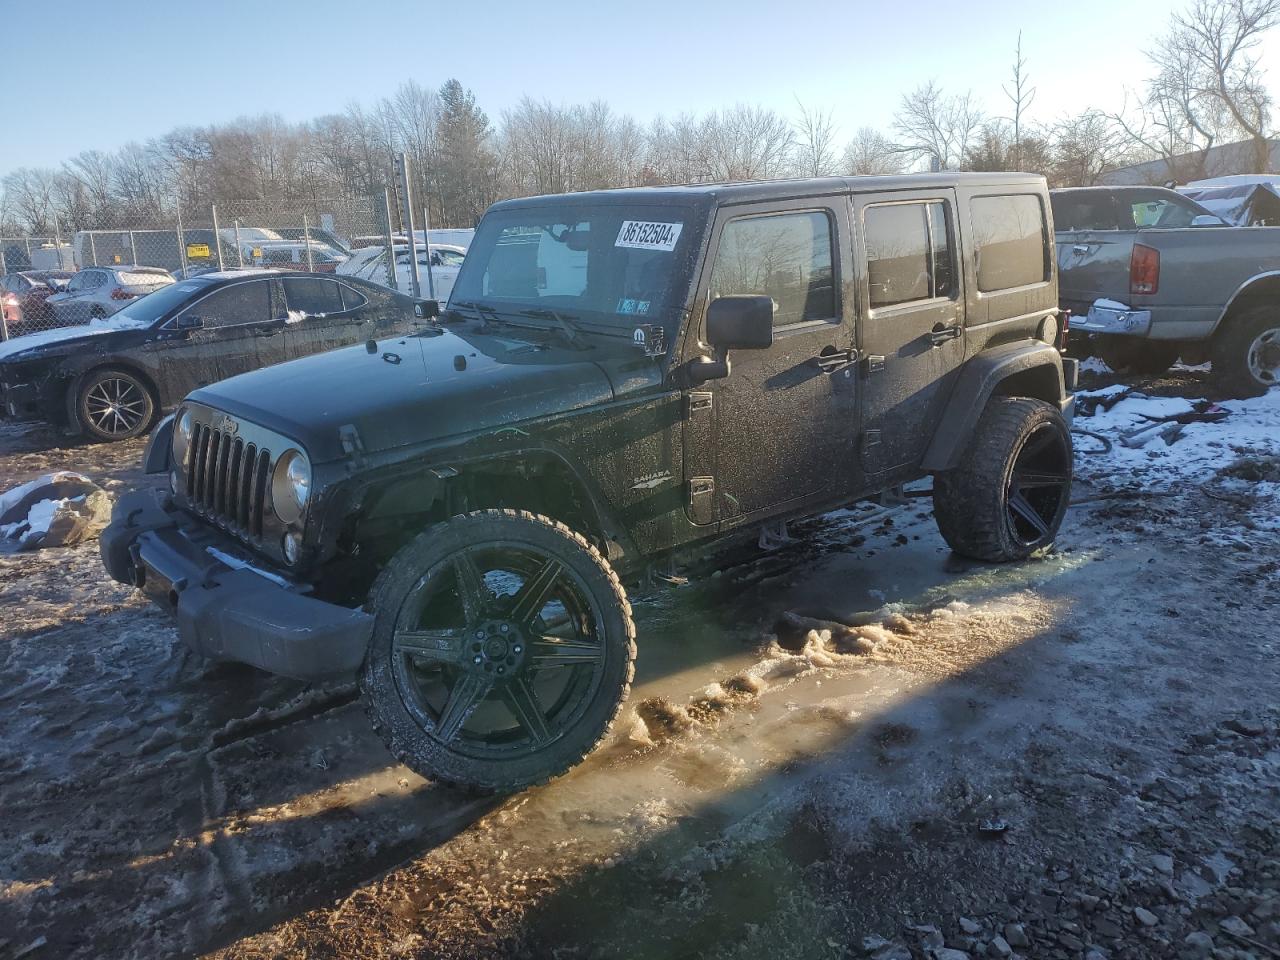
[107, 73]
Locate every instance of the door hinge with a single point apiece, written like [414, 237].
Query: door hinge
[700, 401]
[871, 438]
[875, 363]
[700, 487]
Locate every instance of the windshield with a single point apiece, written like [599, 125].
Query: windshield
[610, 265]
[147, 310]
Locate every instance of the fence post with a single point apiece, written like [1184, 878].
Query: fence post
[217, 234]
[239, 249]
[391, 242]
[306, 238]
[182, 244]
[133, 246]
[426, 242]
[93, 248]
[415, 288]
[4, 326]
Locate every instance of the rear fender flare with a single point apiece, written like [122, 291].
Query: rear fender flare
[1270, 278]
[981, 379]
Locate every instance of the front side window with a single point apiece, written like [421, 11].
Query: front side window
[1091, 210]
[237, 304]
[311, 296]
[909, 252]
[1011, 241]
[610, 265]
[786, 257]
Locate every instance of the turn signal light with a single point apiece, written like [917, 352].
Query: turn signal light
[119, 293]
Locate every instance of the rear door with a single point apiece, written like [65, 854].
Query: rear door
[784, 420]
[913, 342]
[324, 314]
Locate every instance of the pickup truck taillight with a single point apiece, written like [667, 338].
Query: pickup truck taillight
[119, 293]
[1144, 270]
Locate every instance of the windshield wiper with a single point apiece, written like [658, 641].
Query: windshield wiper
[482, 311]
[567, 323]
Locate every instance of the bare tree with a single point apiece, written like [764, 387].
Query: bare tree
[937, 126]
[815, 142]
[746, 143]
[1209, 50]
[1085, 147]
[1020, 95]
[871, 153]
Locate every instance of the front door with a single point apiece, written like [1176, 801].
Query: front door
[237, 337]
[911, 288]
[779, 430]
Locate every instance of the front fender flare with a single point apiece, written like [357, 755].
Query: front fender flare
[979, 381]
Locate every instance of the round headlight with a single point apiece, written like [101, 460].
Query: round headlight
[181, 437]
[291, 486]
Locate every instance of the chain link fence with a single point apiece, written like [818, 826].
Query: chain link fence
[86, 275]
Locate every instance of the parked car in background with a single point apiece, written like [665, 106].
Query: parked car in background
[110, 379]
[25, 297]
[443, 259]
[1151, 276]
[290, 255]
[97, 292]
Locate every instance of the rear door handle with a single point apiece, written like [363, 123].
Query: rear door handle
[1080, 248]
[941, 333]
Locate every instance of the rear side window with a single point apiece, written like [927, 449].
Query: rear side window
[783, 256]
[312, 296]
[1083, 211]
[909, 252]
[236, 304]
[352, 298]
[1009, 236]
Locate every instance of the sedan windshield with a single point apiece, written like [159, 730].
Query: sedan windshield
[606, 265]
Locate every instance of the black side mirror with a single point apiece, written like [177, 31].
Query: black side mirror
[190, 322]
[426, 309]
[734, 323]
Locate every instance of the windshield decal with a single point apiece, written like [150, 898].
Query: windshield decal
[648, 235]
[627, 306]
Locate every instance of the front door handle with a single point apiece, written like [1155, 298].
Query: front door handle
[941, 333]
[831, 360]
[1080, 248]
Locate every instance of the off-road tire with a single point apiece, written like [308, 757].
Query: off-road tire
[1230, 350]
[402, 734]
[1136, 355]
[143, 405]
[970, 502]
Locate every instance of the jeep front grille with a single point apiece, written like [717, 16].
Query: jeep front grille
[227, 479]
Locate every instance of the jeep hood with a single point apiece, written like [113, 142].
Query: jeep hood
[414, 389]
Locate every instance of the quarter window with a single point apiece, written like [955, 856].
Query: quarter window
[786, 257]
[909, 252]
[237, 304]
[1012, 245]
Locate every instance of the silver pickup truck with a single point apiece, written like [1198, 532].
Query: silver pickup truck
[1151, 277]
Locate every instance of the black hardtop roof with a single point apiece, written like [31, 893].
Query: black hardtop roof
[710, 194]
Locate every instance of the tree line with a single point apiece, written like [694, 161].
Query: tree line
[1206, 88]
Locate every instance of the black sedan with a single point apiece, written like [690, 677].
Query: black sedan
[112, 378]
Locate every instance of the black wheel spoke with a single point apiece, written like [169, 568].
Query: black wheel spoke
[554, 652]
[467, 694]
[1023, 508]
[442, 645]
[1030, 479]
[532, 595]
[522, 700]
[471, 590]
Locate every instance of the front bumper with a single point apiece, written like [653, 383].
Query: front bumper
[226, 607]
[1114, 320]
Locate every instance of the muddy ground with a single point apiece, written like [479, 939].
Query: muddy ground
[1074, 757]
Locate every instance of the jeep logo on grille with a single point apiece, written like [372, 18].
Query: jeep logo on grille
[224, 424]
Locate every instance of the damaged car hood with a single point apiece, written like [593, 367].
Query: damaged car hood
[414, 389]
[66, 340]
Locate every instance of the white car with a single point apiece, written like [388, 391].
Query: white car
[101, 291]
[370, 263]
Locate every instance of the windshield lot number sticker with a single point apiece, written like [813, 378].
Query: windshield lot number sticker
[648, 235]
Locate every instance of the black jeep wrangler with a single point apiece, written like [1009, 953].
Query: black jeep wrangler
[619, 378]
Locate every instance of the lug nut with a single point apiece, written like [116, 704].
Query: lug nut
[479, 634]
[477, 660]
[504, 628]
[518, 649]
[502, 669]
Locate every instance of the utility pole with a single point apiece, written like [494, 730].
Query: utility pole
[402, 167]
